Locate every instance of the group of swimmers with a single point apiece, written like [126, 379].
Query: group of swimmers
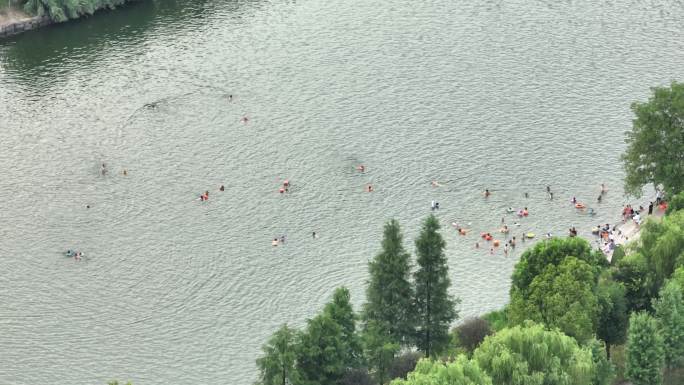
[281, 240]
[285, 187]
[76, 255]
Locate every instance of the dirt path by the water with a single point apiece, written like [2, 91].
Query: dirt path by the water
[11, 15]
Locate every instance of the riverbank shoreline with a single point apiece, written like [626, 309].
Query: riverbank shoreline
[14, 21]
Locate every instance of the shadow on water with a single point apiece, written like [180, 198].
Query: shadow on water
[41, 57]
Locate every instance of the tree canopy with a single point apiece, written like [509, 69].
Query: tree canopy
[530, 354]
[461, 371]
[669, 310]
[435, 308]
[277, 366]
[560, 296]
[655, 145]
[645, 352]
[389, 294]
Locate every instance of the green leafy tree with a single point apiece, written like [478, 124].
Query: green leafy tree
[389, 294]
[341, 311]
[560, 296]
[655, 150]
[669, 311]
[528, 354]
[613, 316]
[461, 371]
[435, 308]
[645, 352]
[277, 366]
[322, 352]
[552, 252]
[379, 349]
[633, 272]
[662, 243]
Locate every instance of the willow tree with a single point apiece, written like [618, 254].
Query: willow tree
[63, 10]
[435, 308]
[655, 149]
[389, 294]
[662, 244]
[530, 354]
[461, 371]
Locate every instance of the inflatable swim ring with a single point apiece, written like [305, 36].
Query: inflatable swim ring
[525, 213]
[580, 206]
[595, 230]
[529, 235]
[496, 243]
[488, 237]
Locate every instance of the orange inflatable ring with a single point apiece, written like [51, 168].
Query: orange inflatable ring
[496, 243]
[580, 206]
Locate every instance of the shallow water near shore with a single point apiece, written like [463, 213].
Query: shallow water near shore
[507, 96]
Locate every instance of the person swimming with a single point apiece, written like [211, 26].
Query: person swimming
[361, 168]
[125, 172]
[274, 242]
[434, 183]
[599, 198]
[369, 188]
[282, 239]
[487, 193]
[103, 169]
[222, 188]
[314, 235]
[574, 200]
[244, 119]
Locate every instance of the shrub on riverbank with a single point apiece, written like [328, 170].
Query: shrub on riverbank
[63, 10]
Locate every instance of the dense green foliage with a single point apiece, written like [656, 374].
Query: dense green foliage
[340, 310]
[645, 352]
[461, 371]
[389, 294]
[655, 149]
[379, 349]
[62, 10]
[552, 252]
[530, 354]
[435, 308]
[675, 203]
[277, 366]
[669, 310]
[613, 316]
[561, 295]
[633, 272]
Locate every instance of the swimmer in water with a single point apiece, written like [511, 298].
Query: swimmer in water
[361, 168]
[230, 98]
[603, 188]
[222, 188]
[125, 172]
[599, 198]
[282, 239]
[369, 188]
[274, 242]
[527, 195]
[87, 206]
[487, 193]
[313, 235]
[244, 119]
[574, 200]
[103, 169]
[434, 183]
[477, 245]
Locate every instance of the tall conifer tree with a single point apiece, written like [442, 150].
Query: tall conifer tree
[389, 293]
[434, 306]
